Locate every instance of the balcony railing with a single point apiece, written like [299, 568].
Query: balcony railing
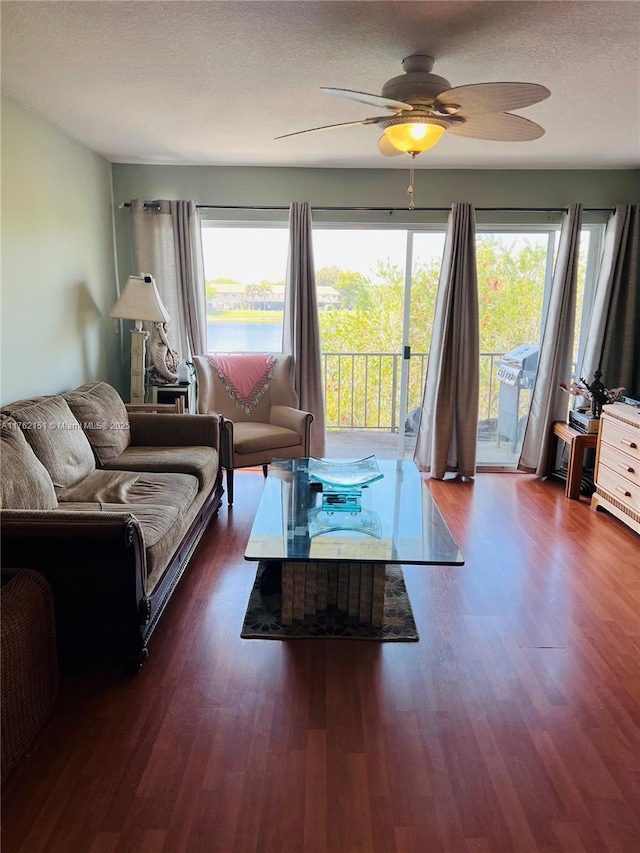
[362, 390]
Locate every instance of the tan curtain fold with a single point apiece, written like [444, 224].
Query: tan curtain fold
[548, 402]
[613, 337]
[187, 235]
[167, 244]
[447, 433]
[301, 323]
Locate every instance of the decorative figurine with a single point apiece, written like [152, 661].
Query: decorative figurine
[595, 392]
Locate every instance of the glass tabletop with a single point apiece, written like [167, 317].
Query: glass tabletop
[392, 520]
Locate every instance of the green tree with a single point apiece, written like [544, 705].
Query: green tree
[328, 276]
[510, 290]
[251, 292]
[210, 289]
[350, 285]
[264, 290]
[510, 293]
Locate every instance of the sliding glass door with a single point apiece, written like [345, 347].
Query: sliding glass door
[362, 335]
[376, 290]
[424, 256]
[514, 271]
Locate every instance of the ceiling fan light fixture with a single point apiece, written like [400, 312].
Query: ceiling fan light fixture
[413, 137]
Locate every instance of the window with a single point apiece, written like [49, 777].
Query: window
[376, 289]
[245, 270]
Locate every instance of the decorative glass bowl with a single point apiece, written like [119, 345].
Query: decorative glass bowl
[344, 476]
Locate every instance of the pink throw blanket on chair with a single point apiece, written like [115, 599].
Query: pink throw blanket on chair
[244, 377]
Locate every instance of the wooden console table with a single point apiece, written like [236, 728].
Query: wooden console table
[578, 442]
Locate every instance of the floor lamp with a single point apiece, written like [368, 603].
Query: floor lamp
[139, 301]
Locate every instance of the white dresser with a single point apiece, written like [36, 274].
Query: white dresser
[617, 473]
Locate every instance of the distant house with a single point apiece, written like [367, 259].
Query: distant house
[233, 297]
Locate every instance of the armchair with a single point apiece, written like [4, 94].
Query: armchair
[258, 408]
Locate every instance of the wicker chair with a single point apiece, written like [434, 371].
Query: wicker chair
[29, 675]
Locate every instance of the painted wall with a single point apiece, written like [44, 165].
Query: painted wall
[58, 271]
[362, 187]
[58, 276]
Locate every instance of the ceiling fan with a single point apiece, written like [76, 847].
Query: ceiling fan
[424, 106]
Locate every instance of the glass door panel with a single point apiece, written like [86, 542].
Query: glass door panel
[424, 259]
[513, 269]
[361, 337]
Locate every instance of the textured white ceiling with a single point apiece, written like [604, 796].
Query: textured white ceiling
[214, 82]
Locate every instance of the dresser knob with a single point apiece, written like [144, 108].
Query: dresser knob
[623, 492]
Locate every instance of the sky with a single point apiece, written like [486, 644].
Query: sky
[252, 255]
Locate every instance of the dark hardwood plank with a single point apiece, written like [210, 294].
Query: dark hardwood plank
[512, 726]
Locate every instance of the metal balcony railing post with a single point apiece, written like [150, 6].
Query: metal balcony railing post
[366, 389]
[394, 389]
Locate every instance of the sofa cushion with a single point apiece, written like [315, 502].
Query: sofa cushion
[202, 462]
[127, 487]
[162, 530]
[103, 416]
[25, 482]
[255, 437]
[57, 440]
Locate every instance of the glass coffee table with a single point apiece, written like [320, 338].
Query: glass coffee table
[336, 558]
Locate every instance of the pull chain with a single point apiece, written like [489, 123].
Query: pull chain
[412, 203]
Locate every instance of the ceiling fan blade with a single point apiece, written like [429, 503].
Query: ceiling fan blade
[386, 148]
[373, 120]
[501, 127]
[483, 98]
[366, 98]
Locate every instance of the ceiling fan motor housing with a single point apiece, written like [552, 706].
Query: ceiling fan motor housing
[417, 85]
[420, 118]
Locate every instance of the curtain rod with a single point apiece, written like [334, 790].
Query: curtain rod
[389, 209]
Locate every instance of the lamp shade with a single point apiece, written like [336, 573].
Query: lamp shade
[140, 300]
[413, 137]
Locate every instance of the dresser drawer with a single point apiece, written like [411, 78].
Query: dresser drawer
[621, 436]
[621, 463]
[619, 487]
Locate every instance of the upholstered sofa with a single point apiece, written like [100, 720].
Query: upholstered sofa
[108, 505]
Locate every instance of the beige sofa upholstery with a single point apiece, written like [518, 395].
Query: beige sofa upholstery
[108, 505]
[273, 426]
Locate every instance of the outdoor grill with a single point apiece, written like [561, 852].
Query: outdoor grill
[516, 373]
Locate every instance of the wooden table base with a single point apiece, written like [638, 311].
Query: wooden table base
[578, 443]
[356, 589]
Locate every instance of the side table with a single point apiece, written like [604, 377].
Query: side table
[578, 442]
[171, 393]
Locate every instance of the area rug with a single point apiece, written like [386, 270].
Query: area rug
[262, 620]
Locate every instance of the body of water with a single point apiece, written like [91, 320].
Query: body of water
[244, 337]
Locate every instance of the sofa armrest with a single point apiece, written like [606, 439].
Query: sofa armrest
[290, 418]
[169, 430]
[61, 522]
[30, 536]
[95, 563]
[90, 544]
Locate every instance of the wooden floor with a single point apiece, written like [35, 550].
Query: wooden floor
[513, 725]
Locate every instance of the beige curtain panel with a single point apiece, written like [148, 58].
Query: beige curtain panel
[613, 338]
[187, 235]
[301, 323]
[447, 433]
[167, 244]
[548, 402]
